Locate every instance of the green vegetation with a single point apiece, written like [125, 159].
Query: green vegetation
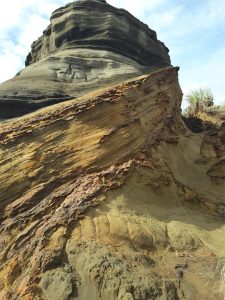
[200, 95]
[199, 100]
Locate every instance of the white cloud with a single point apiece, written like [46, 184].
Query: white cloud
[207, 73]
[193, 32]
[137, 8]
[20, 26]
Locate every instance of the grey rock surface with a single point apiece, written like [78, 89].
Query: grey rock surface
[57, 284]
[89, 44]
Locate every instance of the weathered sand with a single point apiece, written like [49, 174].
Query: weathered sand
[110, 196]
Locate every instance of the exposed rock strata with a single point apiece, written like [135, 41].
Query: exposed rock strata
[89, 44]
[109, 196]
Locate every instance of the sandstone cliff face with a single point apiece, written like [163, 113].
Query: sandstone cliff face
[109, 196]
[89, 44]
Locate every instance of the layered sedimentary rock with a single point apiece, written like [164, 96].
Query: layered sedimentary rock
[107, 196]
[110, 196]
[88, 44]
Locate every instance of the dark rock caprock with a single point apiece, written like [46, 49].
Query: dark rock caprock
[89, 44]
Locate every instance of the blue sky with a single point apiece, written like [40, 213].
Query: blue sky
[193, 30]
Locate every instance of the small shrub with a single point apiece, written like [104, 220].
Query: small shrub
[222, 279]
[199, 100]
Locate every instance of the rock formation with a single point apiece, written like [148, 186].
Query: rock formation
[109, 196]
[89, 44]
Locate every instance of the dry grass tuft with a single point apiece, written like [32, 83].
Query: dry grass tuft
[222, 278]
[215, 277]
[220, 269]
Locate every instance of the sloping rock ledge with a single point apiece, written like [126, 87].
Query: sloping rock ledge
[109, 196]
